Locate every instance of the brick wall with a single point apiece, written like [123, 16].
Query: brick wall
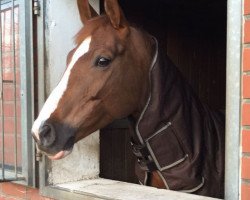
[245, 122]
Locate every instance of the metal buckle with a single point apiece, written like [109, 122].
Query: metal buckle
[140, 151]
[146, 165]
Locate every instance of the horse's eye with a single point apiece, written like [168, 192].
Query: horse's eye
[103, 62]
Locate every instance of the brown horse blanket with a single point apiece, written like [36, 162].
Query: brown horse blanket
[179, 136]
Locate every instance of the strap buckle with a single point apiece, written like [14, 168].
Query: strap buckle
[146, 165]
[139, 150]
[142, 154]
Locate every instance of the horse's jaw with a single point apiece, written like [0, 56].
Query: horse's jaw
[60, 155]
[57, 156]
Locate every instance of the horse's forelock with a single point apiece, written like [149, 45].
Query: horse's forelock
[90, 27]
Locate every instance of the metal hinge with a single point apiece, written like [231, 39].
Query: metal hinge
[36, 7]
[39, 156]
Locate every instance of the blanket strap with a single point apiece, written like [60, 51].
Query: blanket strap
[143, 157]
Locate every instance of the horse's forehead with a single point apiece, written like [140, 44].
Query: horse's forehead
[51, 104]
[101, 33]
[95, 26]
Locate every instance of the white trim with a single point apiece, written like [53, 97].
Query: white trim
[233, 100]
[159, 131]
[175, 163]
[149, 98]
[163, 179]
[167, 166]
[146, 178]
[194, 189]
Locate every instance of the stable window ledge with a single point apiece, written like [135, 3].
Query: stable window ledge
[109, 189]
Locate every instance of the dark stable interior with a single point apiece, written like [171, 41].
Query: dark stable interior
[193, 35]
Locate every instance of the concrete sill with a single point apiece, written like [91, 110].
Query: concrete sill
[9, 175]
[113, 190]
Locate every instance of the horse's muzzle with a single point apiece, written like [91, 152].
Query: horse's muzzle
[47, 135]
[55, 140]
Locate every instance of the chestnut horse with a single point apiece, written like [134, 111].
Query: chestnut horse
[116, 71]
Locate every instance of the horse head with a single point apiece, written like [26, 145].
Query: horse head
[106, 79]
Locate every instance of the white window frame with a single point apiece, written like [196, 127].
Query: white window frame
[27, 90]
[233, 79]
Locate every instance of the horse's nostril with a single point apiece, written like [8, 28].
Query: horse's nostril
[47, 135]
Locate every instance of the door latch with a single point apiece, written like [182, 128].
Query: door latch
[36, 7]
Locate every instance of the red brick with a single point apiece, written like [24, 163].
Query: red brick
[17, 61]
[14, 190]
[247, 31]
[9, 109]
[245, 114]
[245, 173]
[8, 92]
[9, 140]
[9, 125]
[33, 194]
[7, 61]
[246, 141]
[11, 198]
[9, 151]
[8, 74]
[245, 192]
[9, 158]
[246, 7]
[246, 59]
[246, 86]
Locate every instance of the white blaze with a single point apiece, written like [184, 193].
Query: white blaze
[54, 98]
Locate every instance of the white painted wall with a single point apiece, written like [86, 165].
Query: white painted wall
[62, 24]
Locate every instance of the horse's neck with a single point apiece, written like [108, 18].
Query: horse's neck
[145, 43]
[168, 95]
[167, 90]
[172, 114]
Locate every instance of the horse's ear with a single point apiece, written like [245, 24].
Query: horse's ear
[85, 10]
[115, 13]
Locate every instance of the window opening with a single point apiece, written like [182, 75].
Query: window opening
[10, 104]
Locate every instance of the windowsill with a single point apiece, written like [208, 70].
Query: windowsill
[110, 189]
[9, 175]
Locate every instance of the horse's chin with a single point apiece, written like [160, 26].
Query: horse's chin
[60, 155]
